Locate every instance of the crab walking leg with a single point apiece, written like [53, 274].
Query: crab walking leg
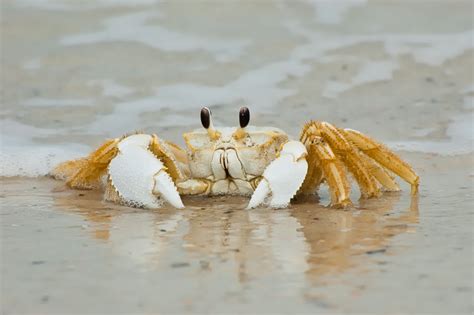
[321, 154]
[314, 176]
[138, 176]
[349, 155]
[384, 157]
[194, 187]
[172, 156]
[380, 174]
[283, 177]
[86, 173]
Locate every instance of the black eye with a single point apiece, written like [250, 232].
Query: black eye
[205, 117]
[244, 117]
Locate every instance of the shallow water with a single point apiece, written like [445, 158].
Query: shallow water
[76, 72]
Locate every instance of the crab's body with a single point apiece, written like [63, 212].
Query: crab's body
[142, 170]
[232, 164]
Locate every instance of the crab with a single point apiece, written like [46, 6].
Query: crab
[143, 170]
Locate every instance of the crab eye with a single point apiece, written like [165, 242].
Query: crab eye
[244, 117]
[206, 117]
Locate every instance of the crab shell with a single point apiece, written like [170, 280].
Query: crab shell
[232, 158]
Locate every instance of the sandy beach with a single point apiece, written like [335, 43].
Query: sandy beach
[76, 73]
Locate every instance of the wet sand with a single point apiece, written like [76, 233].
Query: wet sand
[99, 70]
[67, 251]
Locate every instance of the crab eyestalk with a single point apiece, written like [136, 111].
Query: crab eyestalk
[206, 120]
[244, 119]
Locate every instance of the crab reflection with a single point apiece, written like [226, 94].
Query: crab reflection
[340, 239]
[141, 235]
[304, 242]
[303, 239]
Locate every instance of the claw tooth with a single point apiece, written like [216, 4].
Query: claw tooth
[109, 179]
[165, 186]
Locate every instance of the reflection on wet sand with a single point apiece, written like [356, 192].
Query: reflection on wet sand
[307, 239]
[139, 234]
[337, 239]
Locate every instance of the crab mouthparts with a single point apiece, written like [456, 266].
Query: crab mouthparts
[226, 164]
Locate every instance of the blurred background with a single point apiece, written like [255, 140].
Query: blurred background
[74, 72]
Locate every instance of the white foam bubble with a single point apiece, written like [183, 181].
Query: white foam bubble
[34, 161]
[21, 155]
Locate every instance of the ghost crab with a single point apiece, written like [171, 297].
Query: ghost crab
[142, 170]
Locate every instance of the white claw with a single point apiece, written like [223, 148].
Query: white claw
[164, 185]
[138, 175]
[283, 177]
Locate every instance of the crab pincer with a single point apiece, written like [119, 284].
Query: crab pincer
[283, 177]
[139, 177]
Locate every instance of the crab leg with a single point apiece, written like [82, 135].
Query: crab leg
[172, 157]
[315, 175]
[194, 187]
[349, 156]
[283, 177]
[321, 157]
[384, 157]
[86, 173]
[380, 174]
